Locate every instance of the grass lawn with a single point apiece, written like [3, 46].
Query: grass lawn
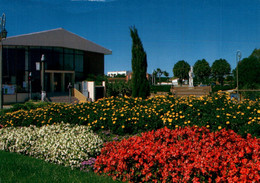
[19, 168]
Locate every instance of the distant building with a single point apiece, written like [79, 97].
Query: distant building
[115, 73]
[175, 82]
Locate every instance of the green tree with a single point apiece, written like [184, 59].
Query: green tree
[140, 84]
[166, 74]
[219, 69]
[181, 70]
[255, 53]
[249, 75]
[202, 71]
[159, 73]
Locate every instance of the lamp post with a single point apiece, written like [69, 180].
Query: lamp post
[238, 57]
[3, 35]
[43, 94]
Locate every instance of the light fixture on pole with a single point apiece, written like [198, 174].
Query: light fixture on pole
[43, 93]
[3, 35]
[238, 57]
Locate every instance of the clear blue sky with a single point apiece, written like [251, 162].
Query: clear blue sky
[171, 30]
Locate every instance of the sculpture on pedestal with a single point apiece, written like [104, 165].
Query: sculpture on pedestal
[191, 75]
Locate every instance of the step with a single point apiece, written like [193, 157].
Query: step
[63, 99]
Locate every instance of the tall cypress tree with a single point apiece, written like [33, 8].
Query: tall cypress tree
[140, 84]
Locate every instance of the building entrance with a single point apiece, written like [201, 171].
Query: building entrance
[57, 81]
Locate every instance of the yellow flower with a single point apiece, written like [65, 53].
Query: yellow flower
[227, 122]
[258, 111]
[123, 126]
[219, 127]
[218, 116]
[176, 126]
[102, 126]
[170, 120]
[207, 126]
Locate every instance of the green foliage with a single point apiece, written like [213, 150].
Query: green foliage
[248, 75]
[217, 88]
[19, 168]
[202, 71]
[219, 69]
[255, 53]
[118, 88]
[97, 78]
[140, 84]
[25, 106]
[126, 115]
[181, 70]
[158, 73]
[248, 72]
[160, 88]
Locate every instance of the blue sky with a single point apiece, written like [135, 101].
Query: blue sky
[171, 30]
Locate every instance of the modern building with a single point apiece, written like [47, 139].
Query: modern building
[68, 58]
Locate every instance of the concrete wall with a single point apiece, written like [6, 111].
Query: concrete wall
[91, 90]
[16, 98]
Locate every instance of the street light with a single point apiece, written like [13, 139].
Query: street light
[43, 93]
[3, 35]
[238, 57]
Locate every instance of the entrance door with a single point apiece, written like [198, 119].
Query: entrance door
[57, 82]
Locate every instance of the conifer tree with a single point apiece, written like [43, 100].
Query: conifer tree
[140, 84]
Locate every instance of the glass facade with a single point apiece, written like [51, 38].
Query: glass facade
[19, 61]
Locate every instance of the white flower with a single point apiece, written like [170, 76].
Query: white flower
[61, 143]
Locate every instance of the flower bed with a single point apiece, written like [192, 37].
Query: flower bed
[182, 155]
[133, 115]
[64, 144]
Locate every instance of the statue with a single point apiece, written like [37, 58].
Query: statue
[191, 77]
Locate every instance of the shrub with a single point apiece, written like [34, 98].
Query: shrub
[160, 88]
[118, 88]
[64, 144]
[216, 88]
[182, 155]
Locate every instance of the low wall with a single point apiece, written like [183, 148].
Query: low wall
[15, 98]
[186, 91]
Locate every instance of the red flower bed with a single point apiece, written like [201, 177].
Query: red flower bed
[187, 154]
